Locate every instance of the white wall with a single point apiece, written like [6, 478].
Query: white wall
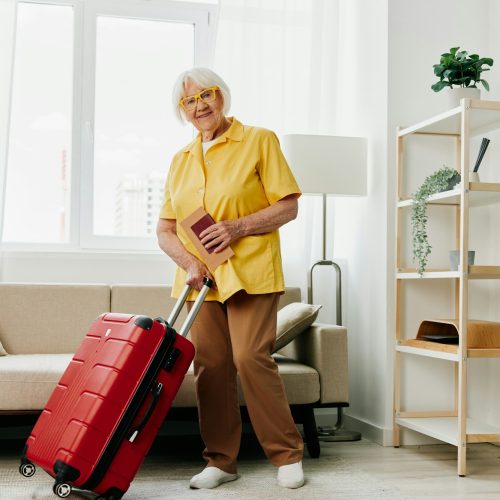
[418, 33]
[361, 238]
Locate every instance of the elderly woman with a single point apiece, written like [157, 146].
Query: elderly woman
[239, 175]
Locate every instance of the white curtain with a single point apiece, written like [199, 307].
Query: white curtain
[7, 33]
[279, 58]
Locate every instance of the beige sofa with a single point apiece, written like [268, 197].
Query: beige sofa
[42, 324]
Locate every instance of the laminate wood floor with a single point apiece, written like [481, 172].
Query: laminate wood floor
[428, 471]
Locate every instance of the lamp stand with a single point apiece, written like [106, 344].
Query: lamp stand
[337, 433]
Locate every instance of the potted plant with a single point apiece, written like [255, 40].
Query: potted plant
[442, 180]
[458, 68]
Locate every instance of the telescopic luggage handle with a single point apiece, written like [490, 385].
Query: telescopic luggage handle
[207, 285]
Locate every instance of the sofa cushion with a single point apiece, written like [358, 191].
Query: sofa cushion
[293, 319]
[301, 384]
[48, 318]
[149, 300]
[27, 380]
[3, 352]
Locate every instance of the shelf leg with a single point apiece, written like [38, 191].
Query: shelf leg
[462, 455]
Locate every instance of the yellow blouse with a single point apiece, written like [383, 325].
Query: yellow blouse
[243, 172]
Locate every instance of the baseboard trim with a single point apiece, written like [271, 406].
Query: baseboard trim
[369, 431]
[328, 417]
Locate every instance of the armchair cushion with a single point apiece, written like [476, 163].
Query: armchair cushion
[293, 319]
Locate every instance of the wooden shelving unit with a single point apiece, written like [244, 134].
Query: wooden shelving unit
[471, 118]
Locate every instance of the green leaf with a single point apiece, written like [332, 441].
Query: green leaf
[440, 86]
[485, 84]
[438, 69]
[454, 50]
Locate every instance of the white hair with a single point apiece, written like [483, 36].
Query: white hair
[203, 77]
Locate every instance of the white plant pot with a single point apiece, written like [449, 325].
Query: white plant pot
[455, 94]
[474, 177]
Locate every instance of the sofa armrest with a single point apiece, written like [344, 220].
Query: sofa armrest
[324, 348]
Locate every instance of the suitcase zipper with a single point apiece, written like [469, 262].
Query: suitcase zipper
[130, 413]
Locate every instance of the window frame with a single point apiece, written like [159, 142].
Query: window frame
[86, 12]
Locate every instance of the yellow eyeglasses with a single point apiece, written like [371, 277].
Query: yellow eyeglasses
[190, 102]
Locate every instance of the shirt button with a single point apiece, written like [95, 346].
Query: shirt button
[201, 190]
[208, 162]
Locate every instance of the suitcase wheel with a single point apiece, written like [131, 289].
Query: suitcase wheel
[62, 490]
[27, 470]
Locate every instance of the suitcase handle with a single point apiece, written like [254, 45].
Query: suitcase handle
[207, 284]
[156, 391]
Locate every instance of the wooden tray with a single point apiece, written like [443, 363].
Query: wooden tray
[482, 334]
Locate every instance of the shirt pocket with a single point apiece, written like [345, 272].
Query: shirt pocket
[253, 261]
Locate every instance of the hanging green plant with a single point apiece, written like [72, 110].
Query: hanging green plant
[441, 180]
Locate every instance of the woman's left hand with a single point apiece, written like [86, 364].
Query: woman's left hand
[220, 235]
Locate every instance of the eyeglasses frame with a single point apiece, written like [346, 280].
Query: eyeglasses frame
[198, 98]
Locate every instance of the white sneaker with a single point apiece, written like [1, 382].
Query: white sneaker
[211, 477]
[291, 476]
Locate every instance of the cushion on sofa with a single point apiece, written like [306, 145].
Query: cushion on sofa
[301, 384]
[27, 380]
[150, 300]
[3, 352]
[48, 318]
[293, 319]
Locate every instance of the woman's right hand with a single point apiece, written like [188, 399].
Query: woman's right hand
[196, 272]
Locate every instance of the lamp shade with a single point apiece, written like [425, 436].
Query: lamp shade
[326, 163]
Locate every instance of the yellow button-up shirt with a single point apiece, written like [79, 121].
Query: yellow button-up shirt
[243, 172]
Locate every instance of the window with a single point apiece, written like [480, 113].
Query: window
[135, 132]
[37, 198]
[92, 129]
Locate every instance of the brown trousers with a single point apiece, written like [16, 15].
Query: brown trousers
[238, 337]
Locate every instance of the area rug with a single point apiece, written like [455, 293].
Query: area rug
[166, 476]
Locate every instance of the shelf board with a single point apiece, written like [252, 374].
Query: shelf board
[428, 349]
[411, 274]
[480, 194]
[483, 353]
[484, 117]
[446, 429]
[442, 351]
[474, 272]
[484, 272]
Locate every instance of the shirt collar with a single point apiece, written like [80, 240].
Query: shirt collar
[234, 133]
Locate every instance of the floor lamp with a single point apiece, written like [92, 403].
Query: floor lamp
[328, 165]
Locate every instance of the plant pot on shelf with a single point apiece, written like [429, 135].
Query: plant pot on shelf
[455, 259]
[455, 94]
[474, 177]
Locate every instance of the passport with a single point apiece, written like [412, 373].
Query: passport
[193, 225]
[202, 224]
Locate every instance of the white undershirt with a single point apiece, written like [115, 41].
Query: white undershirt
[207, 145]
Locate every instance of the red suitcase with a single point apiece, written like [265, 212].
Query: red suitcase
[106, 410]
